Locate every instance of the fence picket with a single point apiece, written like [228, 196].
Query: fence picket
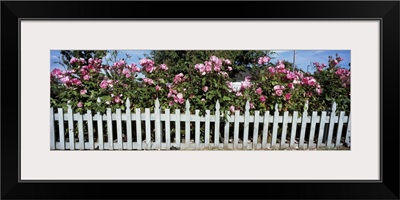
[226, 132]
[129, 125]
[71, 129]
[148, 128]
[90, 129]
[321, 128]
[60, 115]
[167, 129]
[303, 128]
[157, 111]
[246, 125]
[52, 132]
[80, 131]
[119, 129]
[109, 130]
[255, 131]
[348, 132]
[187, 124]
[284, 128]
[207, 130]
[197, 130]
[340, 128]
[294, 128]
[138, 129]
[312, 130]
[275, 127]
[216, 130]
[331, 125]
[236, 130]
[100, 130]
[178, 128]
[265, 130]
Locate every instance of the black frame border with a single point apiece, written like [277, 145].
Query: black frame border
[385, 11]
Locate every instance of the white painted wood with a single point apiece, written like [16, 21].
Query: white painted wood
[178, 128]
[348, 132]
[303, 129]
[294, 128]
[109, 130]
[119, 128]
[340, 128]
[312, 129]
[256, 126]
[246, 125]
[226, 132]
[71, 129]
[61, 128]
[321, 128]
[207, 129]
[217, 124]
[129, 124]
[148, 128]
[157, 112]
[265, 130]
[284, 127]
[197, 130]
[187, 124]
[138, 129]
[275, 127]
[90, 129]
[80, 131]
[52, 131]
[331, 125]
[167, 129]
[236, 130]
[100, 130]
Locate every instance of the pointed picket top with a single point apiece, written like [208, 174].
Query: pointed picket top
[187, 104]
[157, 104]
[128, 103]
[306, 106]
[217, 106]
[247, 106]
[276, 107]
[69, 107]
[334, 106]
[98, 100]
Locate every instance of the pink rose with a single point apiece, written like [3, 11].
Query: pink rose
[228, 62]
[263, 98]
[259, 91]
[104, 84]
[80, 105]
[290, 85]
[251, 105]
[287, 96]
[83, 91]
[164, 67]
[278, 92]
[232, 108]
[158, 88]
[205, 88]
[229, 68]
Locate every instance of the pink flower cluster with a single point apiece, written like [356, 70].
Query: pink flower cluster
[106, 83]
[147, 64]
[215, 64]
[148, 81]
[263, 60]
[319, 66]
[179, 78]
[344, 75]
[76, 60]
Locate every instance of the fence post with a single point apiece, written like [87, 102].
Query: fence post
[109, 130]
[71, 128]
[52, 132]
[90, 129]
[100, 127]
[129, 124]
[246, 125]
[255, 131]
[265, 130]
[275, 127]
[187, 124]
[207, 130]
[348, 132]
[284, 128]
[340, 128]
[178, 128]
[303, 125]
[158, 124]
[236, 130]
[294, 129]
[138, 129]
[331, 125]
[61, 128]
[216, 131]
[119, 129]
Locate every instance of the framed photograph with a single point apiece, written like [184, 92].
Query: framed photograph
[301, 126]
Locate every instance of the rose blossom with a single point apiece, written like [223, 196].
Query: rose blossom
[263, 98]
[287, 96]
[259, 91]
[205, 88]
[232, 108]
[83, 91]
[80, 105]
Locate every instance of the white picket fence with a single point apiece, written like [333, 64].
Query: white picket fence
[258, 139]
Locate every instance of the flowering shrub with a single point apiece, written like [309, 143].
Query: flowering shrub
[336, 83]
[91, 85]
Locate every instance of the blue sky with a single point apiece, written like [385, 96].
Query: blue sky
[304, 58]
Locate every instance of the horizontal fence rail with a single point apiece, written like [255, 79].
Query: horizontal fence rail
[134, 130]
